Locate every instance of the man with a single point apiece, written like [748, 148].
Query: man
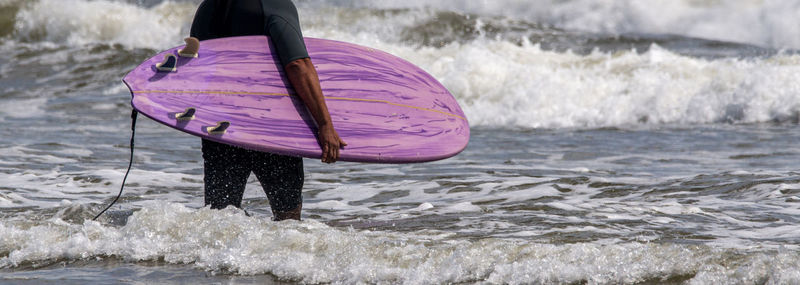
[228, 167]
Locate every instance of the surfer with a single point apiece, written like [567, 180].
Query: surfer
[226, 167]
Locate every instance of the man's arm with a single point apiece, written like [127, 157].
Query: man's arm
[304, 79]
[283, 27]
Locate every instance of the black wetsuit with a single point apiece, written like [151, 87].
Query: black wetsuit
[228, 167]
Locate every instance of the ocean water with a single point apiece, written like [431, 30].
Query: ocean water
[613, 142]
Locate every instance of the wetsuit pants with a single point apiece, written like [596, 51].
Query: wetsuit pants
[228, 167]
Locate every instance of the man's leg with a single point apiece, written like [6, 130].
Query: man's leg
[282, 178]
[226, 173]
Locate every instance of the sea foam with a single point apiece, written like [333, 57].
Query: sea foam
[80, 22]
[311, 252]
[514, 83]
[769, 23]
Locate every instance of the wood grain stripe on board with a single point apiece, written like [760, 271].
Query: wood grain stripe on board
[287, 95]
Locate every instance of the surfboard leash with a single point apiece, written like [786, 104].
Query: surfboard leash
[134, 114]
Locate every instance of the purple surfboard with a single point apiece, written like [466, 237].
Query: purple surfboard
[385, 108]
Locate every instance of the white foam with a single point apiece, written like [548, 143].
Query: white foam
[328, 205]
[462, 207]
[770, 23]
[6, 200]
[79, 22]
[760, 268]
[727, 20]
[500, 83]
[22, 108]
[311, 252]
[564, 206]
[527, 87]
[47, 189]
[424, 206]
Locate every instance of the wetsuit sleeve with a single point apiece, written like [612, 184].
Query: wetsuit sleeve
[201, 25]
[283, 27]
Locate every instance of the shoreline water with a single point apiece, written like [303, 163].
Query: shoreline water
[284, 249]
[604, 150]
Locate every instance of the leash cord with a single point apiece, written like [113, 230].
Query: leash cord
[134, 114]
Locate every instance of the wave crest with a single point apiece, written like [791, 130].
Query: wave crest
[78, 22]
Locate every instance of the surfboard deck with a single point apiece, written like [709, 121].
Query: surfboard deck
[385, 108]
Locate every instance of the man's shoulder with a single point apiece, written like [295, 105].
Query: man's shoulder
[281, 8]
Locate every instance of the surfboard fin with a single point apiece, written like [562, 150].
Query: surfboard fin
[187, 115]
[219, 129]
[191, 48]
[169, 64]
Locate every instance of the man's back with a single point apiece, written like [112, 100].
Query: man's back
[230, 18]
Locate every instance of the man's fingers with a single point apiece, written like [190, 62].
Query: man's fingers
[335, 154]
[330, 148]
[325, 153]
[331, 153]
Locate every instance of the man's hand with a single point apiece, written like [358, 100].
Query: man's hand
[330, 142]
